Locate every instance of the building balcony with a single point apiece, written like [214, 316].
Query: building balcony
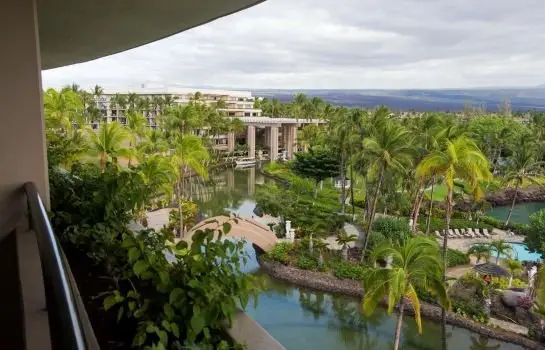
[42, 307]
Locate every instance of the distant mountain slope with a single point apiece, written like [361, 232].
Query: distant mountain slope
[422, 100]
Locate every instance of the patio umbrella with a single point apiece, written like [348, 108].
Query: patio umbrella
[491, 269]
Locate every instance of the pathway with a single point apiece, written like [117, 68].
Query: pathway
[509, 326]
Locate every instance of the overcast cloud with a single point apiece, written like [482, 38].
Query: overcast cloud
[340, 44]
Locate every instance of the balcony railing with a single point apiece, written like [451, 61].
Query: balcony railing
[69, 325]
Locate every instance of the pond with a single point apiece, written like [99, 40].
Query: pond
[521, 211]
[301, 319]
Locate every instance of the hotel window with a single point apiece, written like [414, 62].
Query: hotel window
[247, 114]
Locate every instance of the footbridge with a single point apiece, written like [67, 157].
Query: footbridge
[251, 230]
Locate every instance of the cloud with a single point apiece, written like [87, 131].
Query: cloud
[339, 44]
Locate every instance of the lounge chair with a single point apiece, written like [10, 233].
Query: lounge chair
[470, 233]
[438, 235]
[477, 233]
[485, 233]
[451, 234]
[457, 232]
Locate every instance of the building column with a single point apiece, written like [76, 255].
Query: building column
[250, 140]
[292, 141]
[273, 143]
[285, 136]
[230, 141]
[22, 134]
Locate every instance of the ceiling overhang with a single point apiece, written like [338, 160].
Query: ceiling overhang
[74, 31]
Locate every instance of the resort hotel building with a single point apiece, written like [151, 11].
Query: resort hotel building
[275, 136]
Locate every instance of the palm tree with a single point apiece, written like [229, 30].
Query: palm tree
[136, 123]
[321, 246]
[513, 266]
[388, 147]
[98, 91]
[462, 159]
[480, 251]
[344, 239]
[107, 143]
[182, 120]
[62, 109]
[523, 167]
[168, 100]
[153, 143]
[501, 247]
[132, 98]
[415, 264]
[190, 156]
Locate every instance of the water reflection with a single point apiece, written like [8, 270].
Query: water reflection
[227, 190]
[304, 319]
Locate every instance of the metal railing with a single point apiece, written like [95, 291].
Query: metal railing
[66, 330]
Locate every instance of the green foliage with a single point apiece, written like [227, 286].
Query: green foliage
[169, 304]
[306, 262]
[169, 293]
[300, 208]
[189, 213]
[317, 164]
[281, 252]
[535, 236]
[414, 264]
[394, 229]
[470, 310]
[349, 270]
[520, 229]
[456, 257]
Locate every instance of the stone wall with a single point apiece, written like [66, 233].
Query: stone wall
[331, 284]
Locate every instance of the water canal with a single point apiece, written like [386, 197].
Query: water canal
[301, 319]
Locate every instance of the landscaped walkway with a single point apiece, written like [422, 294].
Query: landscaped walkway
[509, 326]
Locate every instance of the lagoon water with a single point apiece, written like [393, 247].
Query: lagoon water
[521, 212]
[302, 319]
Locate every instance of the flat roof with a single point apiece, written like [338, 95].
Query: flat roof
[176, 91]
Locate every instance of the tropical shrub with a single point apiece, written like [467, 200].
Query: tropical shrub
[456, 257]
[149, 301]
[348, 270]
[305, 262]
[281, 253]
[394, 229]
[503, 283]
[470, 310]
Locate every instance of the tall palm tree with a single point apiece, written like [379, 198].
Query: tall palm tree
[169, 100]
[107, 143]
[388, 147]
[136, 124]
[415, 264]
[190, 155]
[523, 167]
[132, 98]
[480, 251]
[182, 120]
[344, 239]
[462, 159]
[513, 266]
[98, 91]
[153, 143]
[501, 247]
[62, 109]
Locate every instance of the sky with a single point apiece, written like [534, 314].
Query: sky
[339, 44]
